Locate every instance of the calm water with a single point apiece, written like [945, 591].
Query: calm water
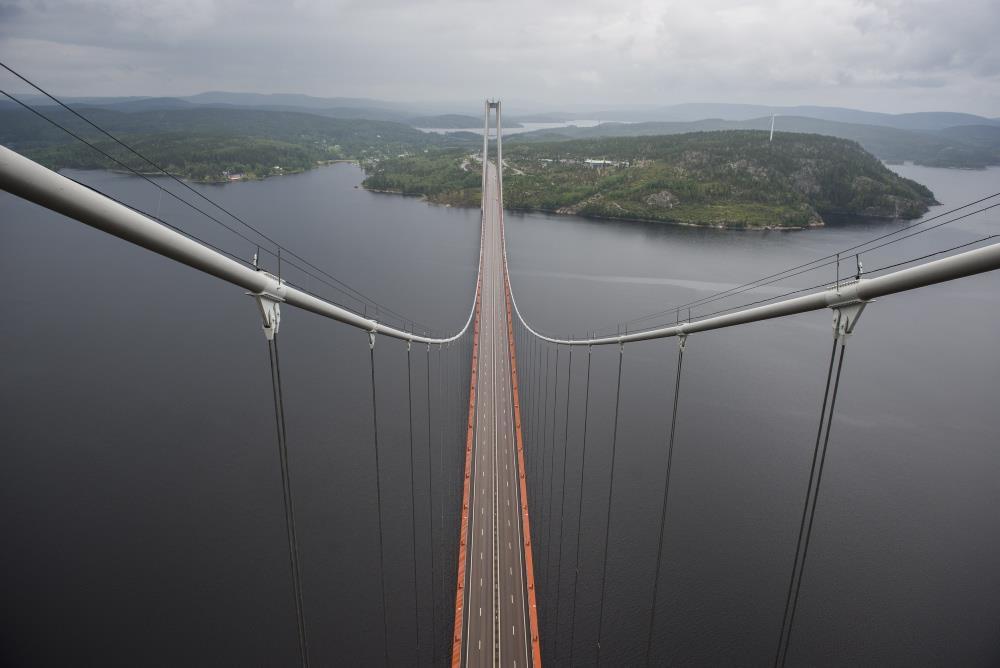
[141, 495]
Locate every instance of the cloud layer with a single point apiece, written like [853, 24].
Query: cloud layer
[882, 55]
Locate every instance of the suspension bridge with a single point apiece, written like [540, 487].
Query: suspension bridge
[504, 609]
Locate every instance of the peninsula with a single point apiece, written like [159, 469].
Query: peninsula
[739, 179]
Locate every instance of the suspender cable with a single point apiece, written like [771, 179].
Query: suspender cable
[541, 436]
[579, 512]
[440, 420]
[792, 602]
[413, 504]
[562, 498]
[286, 488]
[611, 491]
[534, 429]
[536, 432]
[430, 514]
[666, 491]
[443, 486]
[552, 450]
[805, 506]
[378, 504]
[533, 416]
[524, 380]
[548, 512]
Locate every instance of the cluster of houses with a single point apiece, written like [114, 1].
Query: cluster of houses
[589, 162]
[240, 176]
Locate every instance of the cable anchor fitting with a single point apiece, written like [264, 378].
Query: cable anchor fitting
[845, 319]
[270, 312]
[371, 335]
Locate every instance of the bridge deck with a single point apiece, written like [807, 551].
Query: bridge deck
[495, 603]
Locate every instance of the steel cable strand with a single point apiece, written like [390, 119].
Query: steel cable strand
[827, 260]
[579, 512]
[430, 515]
[805, 506]
[562, 499]
[286, 489]
[812, 511]
[442, 485]
[541, 481]
[535, 414]
[666, 491]
[378, 505]
[534, 375]
[530, 445]
[413, 503]
[611, 491]
[525, 379]
[347, 289]
[548, 512]
[536, 430]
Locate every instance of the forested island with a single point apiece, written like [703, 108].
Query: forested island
[723, 179]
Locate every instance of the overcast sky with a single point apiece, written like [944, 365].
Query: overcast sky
[881, 55]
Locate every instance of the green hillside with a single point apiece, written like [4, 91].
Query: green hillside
[728, 178]
[205, 144]
[963, 146]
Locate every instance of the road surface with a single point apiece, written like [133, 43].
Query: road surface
[496, 622]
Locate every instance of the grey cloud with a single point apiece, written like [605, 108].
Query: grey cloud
[926, 55]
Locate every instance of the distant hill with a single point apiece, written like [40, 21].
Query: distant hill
[721, 178]
[203, 143]
[335, 107]
[453, 121]
[446, 121]
[290, 100]
[971, 146]
[987, 136]
[932, 120]
[141, 104]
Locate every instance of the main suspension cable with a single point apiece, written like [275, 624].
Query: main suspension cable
[204, 197]
[827, 260]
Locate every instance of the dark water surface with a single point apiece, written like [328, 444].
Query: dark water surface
[141, 500]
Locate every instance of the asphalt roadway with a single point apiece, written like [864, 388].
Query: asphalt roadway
[496, 622]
